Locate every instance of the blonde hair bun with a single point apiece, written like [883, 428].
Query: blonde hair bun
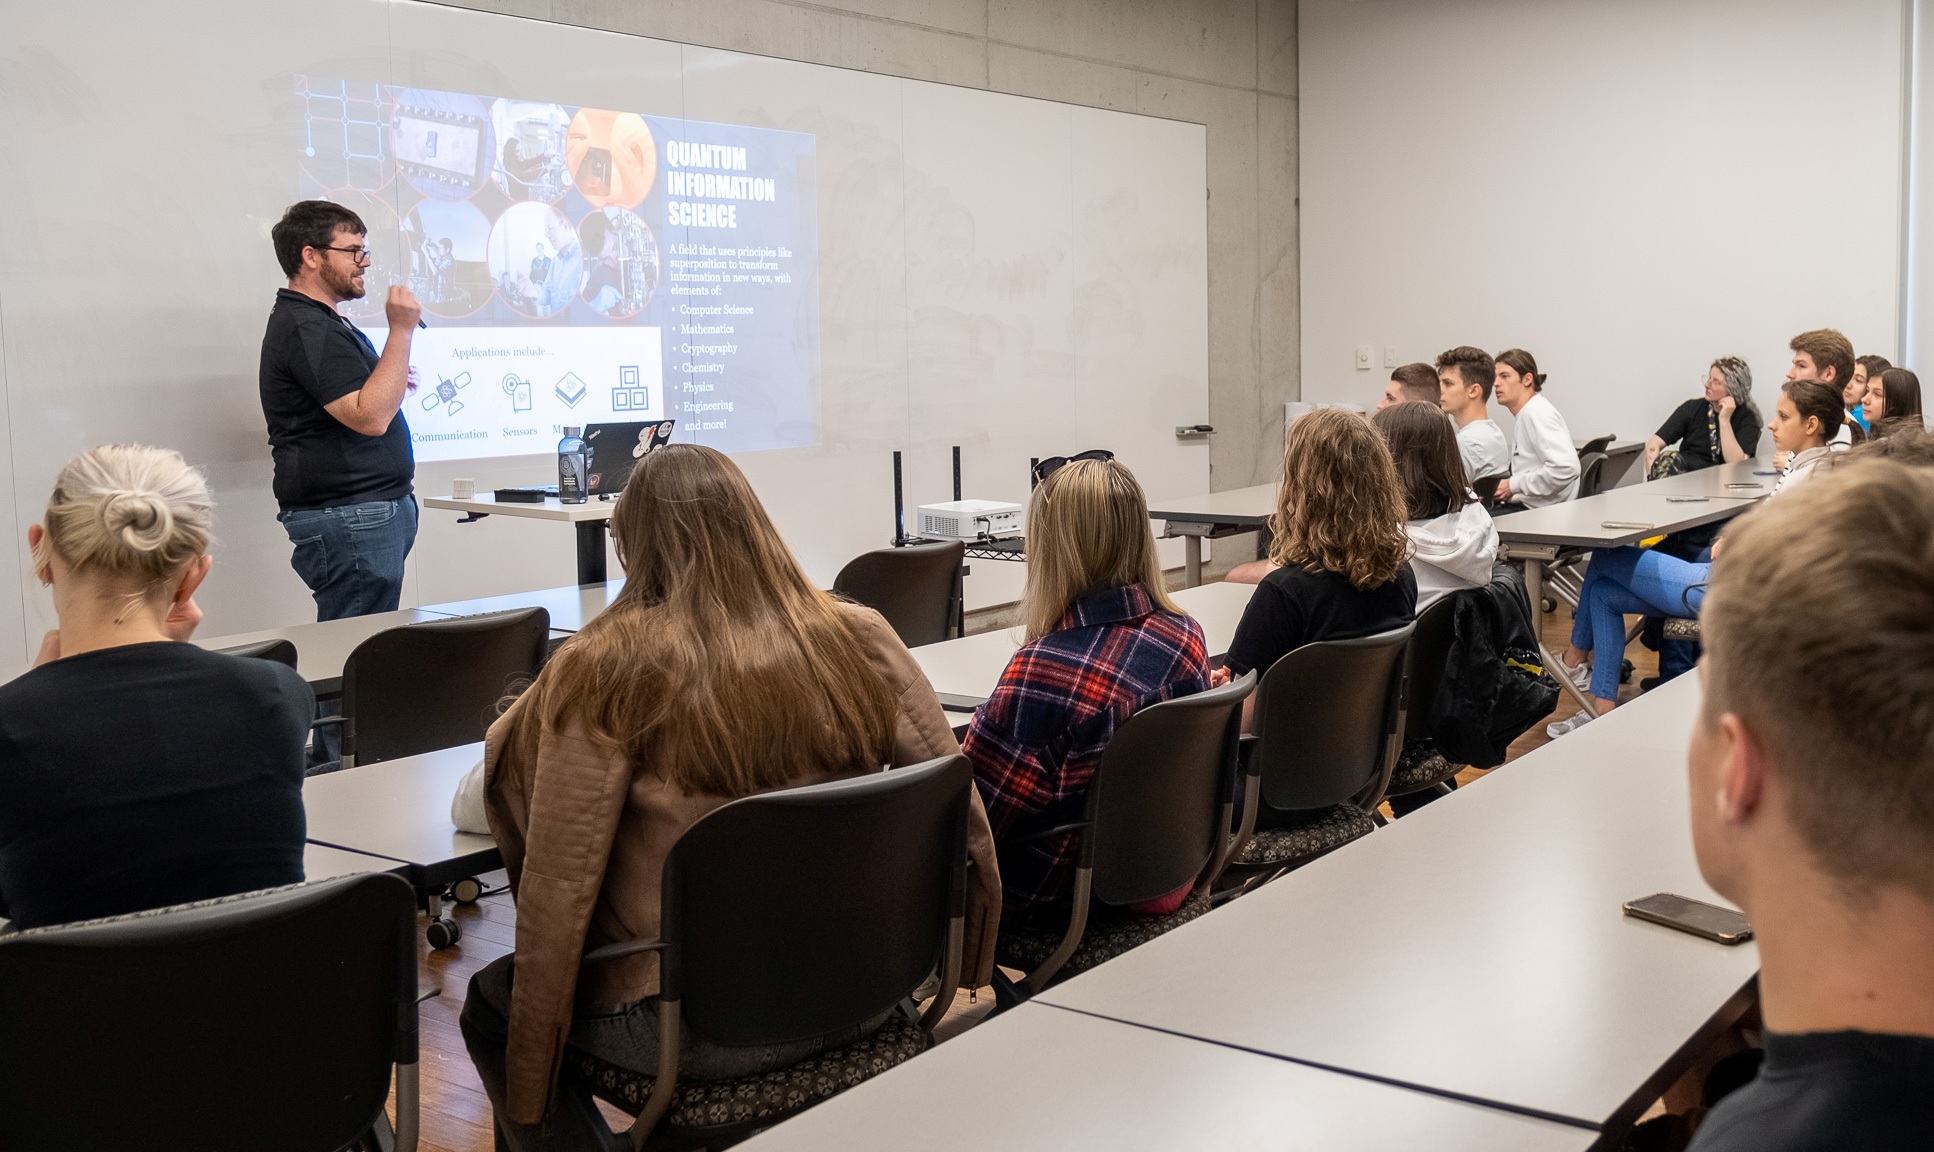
[130, 513]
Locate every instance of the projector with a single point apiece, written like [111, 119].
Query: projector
[970, 519]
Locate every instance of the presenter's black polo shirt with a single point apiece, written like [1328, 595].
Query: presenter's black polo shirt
[310, 357]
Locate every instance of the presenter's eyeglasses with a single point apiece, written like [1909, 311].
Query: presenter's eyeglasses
[358, 254]
[1048, 467]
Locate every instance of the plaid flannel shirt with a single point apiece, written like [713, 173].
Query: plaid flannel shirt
[1036, 741]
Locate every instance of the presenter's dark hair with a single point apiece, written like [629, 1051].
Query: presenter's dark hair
[1474, 366]
[310, 224]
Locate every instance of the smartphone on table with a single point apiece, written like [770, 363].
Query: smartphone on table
[1708, 921]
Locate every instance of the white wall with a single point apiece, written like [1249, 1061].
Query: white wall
[1018, 276]
[1627, 190]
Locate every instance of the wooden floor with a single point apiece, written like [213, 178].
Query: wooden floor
[456, 1113]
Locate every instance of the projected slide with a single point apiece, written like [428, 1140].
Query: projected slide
[578, 264]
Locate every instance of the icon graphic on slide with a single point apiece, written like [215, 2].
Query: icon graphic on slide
[570, 390]
[446, 391]
[519, 392]
[630, 399]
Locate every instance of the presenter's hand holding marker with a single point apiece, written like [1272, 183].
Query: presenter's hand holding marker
[405, 316]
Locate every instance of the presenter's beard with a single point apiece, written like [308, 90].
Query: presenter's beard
[346, 286]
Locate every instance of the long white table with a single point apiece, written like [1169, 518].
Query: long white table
[321, 862]
[1210, 515]
[570, 606]
[963, 672]
[322, 647]
[1477, 946]
[590, 519]
[1041, 1078]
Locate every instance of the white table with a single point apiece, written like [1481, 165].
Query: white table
[1041, 1078]
[1477, 946]
[589, 518]
[570, 606]
[400, 810]
[963, 672]
[322, 647]
[1212, 515]
[1623, 516]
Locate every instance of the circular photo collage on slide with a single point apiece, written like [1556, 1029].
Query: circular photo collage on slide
[621, 266]
[612, 157]
[535, 259]
[447, 244]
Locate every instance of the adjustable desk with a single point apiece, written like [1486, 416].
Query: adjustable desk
[1212, 515]
[1521, 984]
[963, 672]
[590, 519]
[321, 862]
[1537, 536]
[1041, 1078]
[400, 810]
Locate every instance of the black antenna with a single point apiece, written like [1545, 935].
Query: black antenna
[956, 472]
[899, 507]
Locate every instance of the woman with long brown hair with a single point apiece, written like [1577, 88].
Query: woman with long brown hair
[718, 672]
[1103, 641]
[1339, 548]
[1453, 542]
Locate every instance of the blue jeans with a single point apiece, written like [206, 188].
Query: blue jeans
[351, 556]
[1630, 581]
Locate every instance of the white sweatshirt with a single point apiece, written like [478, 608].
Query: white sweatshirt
[1544, 464]
[1452, 552]
[1481, 443]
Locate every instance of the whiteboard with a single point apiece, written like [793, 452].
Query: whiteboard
[1019, 277]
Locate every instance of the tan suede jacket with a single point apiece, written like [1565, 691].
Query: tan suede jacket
[584, 835]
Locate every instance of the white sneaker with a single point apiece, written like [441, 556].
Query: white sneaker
[1577, 721]
[1580, 677]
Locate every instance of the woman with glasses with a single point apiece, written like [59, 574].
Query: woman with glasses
[1103, 642]
[1720, 426]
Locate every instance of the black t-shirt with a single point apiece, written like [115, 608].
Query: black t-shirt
[1293, 607]
[1821, 1091]
[310, 357]
[1694, 427]
[147, 775]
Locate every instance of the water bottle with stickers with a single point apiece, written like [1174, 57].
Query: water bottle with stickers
[571, 467]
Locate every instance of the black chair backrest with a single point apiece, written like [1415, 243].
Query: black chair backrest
[793, 913]
[1325, 714]
[916, 588]
[1486, 487]
[280, 650]
[1430, 644]
[269, 1021]
[1157, 796]
[1595, 444]
[436, 684]
[1591, 473]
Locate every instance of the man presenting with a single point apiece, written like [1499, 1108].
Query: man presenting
[343, 463]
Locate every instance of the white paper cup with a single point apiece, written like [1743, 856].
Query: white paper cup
[463, 488]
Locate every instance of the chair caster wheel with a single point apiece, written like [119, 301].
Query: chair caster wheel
[1549, 605]
[466, 890]
[443, 932]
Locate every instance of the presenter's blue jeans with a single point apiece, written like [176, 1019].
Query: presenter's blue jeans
[1630, 581]
[351, 556]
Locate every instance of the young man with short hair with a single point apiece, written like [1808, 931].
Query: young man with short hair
[1464, 376]
[1826, 355]
[1410, 382]
[1812, 780]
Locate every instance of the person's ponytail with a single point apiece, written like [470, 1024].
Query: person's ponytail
[131, 514]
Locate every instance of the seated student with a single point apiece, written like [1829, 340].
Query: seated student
[1865, 370]
[1464, 379]
[1103, 642]
[1816, 820]
[1721, 426]
[1339, 549]
[1453, 542]
[136, 770]
[1410, 382]
[719, 672]
[1651, 582]
[1544, 461]
[1821, 354]
[1893, 402]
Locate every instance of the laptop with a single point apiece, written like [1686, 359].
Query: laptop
[613, 450]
